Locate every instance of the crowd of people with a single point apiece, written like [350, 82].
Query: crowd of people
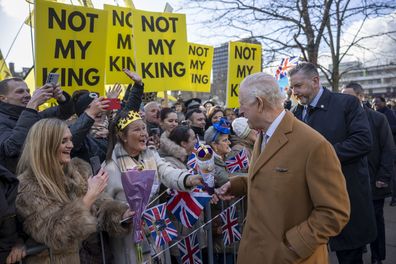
[320, 169]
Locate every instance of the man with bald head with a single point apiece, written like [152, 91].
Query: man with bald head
[297, 197]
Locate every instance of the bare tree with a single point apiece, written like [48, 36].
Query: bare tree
[309, 27]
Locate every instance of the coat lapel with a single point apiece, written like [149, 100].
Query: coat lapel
[276, 142]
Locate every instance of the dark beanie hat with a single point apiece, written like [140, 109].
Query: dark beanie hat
[82, 103]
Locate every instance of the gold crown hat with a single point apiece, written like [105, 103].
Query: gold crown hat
[125, 121]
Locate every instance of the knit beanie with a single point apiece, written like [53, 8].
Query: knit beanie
[241, 127]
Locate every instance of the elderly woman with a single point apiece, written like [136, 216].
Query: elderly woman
[59, 203]
[127, 150]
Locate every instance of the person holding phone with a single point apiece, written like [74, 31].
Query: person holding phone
[90, 130]
[19, 112]
[58, 200]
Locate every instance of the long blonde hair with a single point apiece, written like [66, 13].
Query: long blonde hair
[40, 157]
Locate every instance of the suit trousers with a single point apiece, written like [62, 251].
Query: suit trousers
[350, 256]
[378, 248]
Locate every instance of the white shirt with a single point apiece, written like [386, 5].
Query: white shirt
[271, 129]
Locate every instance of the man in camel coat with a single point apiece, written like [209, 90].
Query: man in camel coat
[296, 192]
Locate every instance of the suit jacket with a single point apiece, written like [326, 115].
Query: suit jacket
[380, 158]
[342, 121]
[296, 193]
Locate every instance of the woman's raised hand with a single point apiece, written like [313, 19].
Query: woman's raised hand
[96, 185]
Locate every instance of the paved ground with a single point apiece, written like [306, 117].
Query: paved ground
[390, 230]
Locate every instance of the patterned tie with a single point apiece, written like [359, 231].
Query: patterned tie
[265, 139]
[307, 111]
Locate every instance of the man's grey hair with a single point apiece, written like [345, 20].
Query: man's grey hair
[265, 86]
[150, 105]
[306, 68]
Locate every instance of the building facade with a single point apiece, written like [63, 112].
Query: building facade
[376, 80]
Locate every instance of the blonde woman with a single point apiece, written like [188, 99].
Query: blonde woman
[58, 201]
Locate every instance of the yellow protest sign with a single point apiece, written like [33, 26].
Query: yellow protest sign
[4, 71]
[161, 50]
[243, 59]
[200, 59]
[70, 41]
[119, 53]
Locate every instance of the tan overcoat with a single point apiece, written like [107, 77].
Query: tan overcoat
[296, 197]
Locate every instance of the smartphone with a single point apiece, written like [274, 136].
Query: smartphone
[115, 103]
[95, 164]
[127, 220]
[53, 78]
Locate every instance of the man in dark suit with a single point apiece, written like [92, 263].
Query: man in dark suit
[342, 121]
[380, 106]
[380, 160]
[296, 192]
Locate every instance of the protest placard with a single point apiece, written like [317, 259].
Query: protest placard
[200, 59]
[243, 59]
[161, 50]
[70, 40]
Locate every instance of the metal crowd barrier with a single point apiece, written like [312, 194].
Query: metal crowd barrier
[163, 256]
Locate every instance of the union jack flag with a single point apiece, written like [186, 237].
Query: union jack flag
[285, 65]
[161, 228]
[230, 226]
[189, 250]
[192, 161]
[238, 162]
[187, 206]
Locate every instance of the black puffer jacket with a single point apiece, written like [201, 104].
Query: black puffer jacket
[15, 122]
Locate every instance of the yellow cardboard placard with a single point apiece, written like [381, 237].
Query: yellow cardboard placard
[70, 40]
[119, 53]
[200, 60]
[161, 50]
[243, 59]
[4, 71]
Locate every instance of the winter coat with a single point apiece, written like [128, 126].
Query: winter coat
[123, 247]
[8, 223]
[85, 145]
[340, 118]
[63, 226]
[15, 122]
[391, 116]
[380, 158]
[296, 194]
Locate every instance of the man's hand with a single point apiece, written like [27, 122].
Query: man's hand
[115, 91]
[134, 76]
[224, 192]
[18, 252]
[40, 96]
[96, 107]
[58, 94]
